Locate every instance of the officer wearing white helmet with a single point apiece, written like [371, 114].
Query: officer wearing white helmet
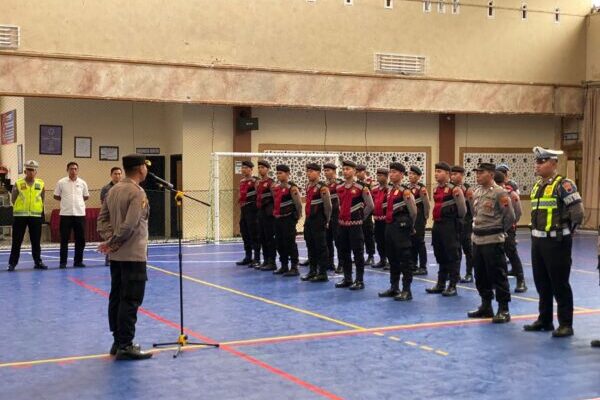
[28, 211]
[556, 212]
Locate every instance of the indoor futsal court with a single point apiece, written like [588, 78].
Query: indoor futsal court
[299, 199]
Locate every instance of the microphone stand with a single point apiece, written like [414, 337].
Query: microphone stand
[182, 340]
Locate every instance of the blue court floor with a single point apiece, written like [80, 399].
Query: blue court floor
[286, 339]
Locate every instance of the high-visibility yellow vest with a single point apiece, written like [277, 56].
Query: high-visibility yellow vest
[548, 202]
[29, 202]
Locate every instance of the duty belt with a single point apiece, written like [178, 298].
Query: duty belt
[552, 234]
[350, 223]
[379, 217]
[487, 232]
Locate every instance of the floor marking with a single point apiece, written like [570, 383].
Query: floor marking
[410, 343]
[394, 338]
[426, 348]
[223, 347]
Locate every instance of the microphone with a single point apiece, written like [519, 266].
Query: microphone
[161, 181]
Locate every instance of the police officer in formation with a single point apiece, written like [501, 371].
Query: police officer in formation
[248, 216]
[419, 191]
[287, 209]
[448, 211]
[123, 224]
[266, 220]
[368, 228]
[28, 213]
[116, 174]
[356, 204]
[457, 177]
[510, 244]
[317, 216]
[332, 182]
[401, 213]
[493, 216]
[379, 194]
[556, 212]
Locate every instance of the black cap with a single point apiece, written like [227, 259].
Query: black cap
[313, 166]
[486, 167]
[282, 168]
[443, 166]
[264, 163]
[361, 167]
[348, 163]
[382, 171]
[248, 163]
[457, 168]
[397, 166]
[329, 166]
[416, 170]
[499, 177]
[503, 168]
[133, 160]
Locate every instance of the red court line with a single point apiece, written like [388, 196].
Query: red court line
[228, 349]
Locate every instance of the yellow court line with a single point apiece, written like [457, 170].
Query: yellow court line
[410, 343]
[394, 338]
[263, 299]
[427, 348]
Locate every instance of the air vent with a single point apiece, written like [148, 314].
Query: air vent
[399, 64]
[9, 37]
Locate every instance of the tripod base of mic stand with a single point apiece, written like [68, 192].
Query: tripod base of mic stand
[181, 342]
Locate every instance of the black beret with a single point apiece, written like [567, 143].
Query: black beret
[329, 166]
[397, 166]
[313, 166]
[361, 167]
[133, 160]
[382, 171]
[282, 168]
[457, 168]
[486, 167]
[348, 163]
[264, 163]
[443, 166]
[416, 170]
[248, 163]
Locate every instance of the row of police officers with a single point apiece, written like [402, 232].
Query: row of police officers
[389, 216]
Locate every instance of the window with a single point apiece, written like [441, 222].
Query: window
[455, 6]
[491, 13]
[388, 4]
[441, 7]
[426, 6]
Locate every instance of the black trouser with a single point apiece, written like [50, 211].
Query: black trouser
[466, 230]
[266, 225]
[419, 251]
[127, 287]
[331, 238]
[249, 231]
[446, 247]
[398, 246]
[350, 242]
[77, 225]
[316, 244]
[551, 259]
[18, 233]
[510, 247]
[491, 273]
[369, 235]
[285, 235]
[380, 239]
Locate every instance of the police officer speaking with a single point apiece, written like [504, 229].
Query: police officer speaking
[123, 224]
[556, 211]
[28, 212]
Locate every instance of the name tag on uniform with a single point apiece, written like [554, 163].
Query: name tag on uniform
[38, 186]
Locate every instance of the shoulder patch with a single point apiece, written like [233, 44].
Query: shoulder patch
[504, 200]
[568, 186]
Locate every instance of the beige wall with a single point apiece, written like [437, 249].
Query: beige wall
[324, 35]
[8, 152]
[593, 48]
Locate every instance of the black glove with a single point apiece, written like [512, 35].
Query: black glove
[598, 266]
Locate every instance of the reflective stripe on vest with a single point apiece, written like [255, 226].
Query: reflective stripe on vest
[547, 202]
[29, 201]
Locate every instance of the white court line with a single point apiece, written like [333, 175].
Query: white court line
[192, 262]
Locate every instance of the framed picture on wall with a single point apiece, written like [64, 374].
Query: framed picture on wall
[51, 139]
[83, 147]
[20, 158]
[109, 153]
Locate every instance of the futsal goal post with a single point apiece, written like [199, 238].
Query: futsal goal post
[225, 176]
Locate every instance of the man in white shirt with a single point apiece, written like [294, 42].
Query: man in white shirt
[72, 192]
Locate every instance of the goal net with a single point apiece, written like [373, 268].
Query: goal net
[223, 221]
